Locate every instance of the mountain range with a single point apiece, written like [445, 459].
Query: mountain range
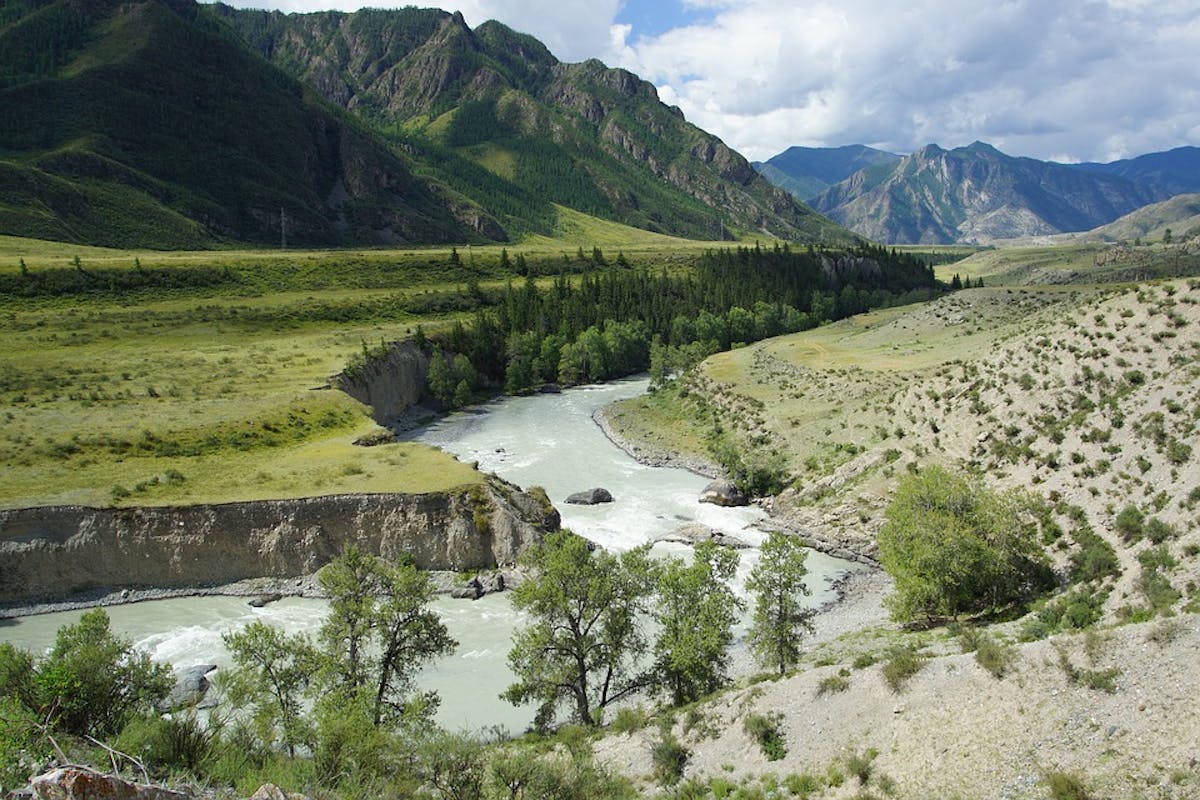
[976, 193]
[164, 123]
[805, 172]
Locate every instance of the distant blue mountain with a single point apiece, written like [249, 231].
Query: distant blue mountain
[805, 172]
[1173, 172]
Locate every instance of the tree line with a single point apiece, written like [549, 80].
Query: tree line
[618, 322]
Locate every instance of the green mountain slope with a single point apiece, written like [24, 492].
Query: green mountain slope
[496, 103]
[805, 172]
[1180, 215]
[977, 194]
[149, 123]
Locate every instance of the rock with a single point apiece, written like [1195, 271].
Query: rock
[590, 498]
[695, 533]
[471, 590]
[269, 791]
[724, 493]
[550, 388]
[190, 687]
[265, 599]
[78, 783]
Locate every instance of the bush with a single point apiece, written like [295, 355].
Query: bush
[670, 758]
[629, 720]
[1129, 523]
[954, 547]
[764, 729]
[94, 681]
[1066, 786]
[168, 743]
[994, 656]
[902, 664]
[832, 684]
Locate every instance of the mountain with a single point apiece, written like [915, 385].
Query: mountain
[977, 194]
[805, 172]
[150, 124]
[1170, 173]
[1180, 215]
[493, 114]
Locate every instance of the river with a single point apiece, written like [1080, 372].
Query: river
[548, 440]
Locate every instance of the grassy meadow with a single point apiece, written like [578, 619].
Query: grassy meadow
[154, 377]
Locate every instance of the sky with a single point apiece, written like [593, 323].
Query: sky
[1065, 80]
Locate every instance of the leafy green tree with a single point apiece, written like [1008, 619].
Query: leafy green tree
[780, 619]
[695, 609]
[378, 634]
[91, 682]
[584, 634]
[271, 676]
[440, 378]
[953, 547]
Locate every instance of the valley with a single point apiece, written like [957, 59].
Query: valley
[393, 407]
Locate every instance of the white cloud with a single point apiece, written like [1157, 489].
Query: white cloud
[1087, 80]
[1093, 79]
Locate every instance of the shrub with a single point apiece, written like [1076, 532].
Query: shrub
[802, 785]
[168, 743]
[832, 684]
[1129, 523]
[94, 681]
[902, 664]
[954, 547]
[864, 660]
[629, 720]
[764, 729]
[994, 656]
[861, 765]
[670, 758]
[1066, 786]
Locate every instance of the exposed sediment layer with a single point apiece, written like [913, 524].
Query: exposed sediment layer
[52, 553]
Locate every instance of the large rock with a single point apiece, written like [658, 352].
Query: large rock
[78, 783]
[590, 498]
[190, 687]
[694, 533]
[269, 791]
[724, 493]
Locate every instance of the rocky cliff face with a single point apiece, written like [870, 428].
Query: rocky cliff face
[582, 135]
[390, 384]
[55, 552]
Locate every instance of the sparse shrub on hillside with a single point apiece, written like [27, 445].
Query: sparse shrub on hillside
[995, 656]
[670, 758]
[764, 729]
[1067, 786]
[902, 664]
[1130, 523]
[834, 684]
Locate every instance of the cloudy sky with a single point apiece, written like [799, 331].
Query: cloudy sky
[1070, 80]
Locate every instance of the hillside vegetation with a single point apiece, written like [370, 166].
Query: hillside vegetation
[162, 124]
[1084, 396]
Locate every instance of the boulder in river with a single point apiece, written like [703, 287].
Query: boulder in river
[590, 498]
[190, 687]
[724, 493]
[695, 533]
[265, 599]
